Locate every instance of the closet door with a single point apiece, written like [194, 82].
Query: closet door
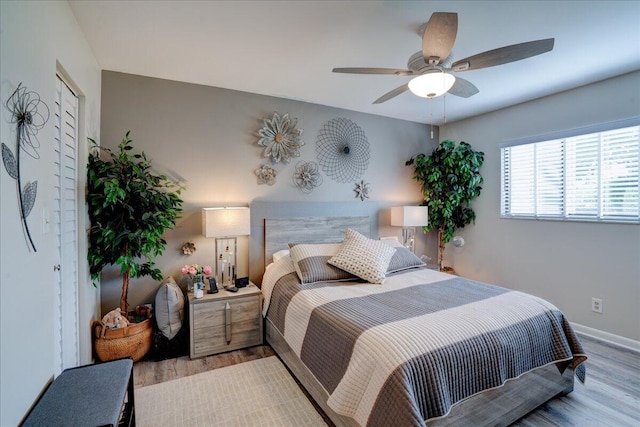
[64, 222]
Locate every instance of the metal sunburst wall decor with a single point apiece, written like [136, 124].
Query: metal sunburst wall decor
[307, 176]
[29, 114]
[280, 138]
[343, 150]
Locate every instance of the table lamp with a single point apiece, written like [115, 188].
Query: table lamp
[409, 217]
[225, 224]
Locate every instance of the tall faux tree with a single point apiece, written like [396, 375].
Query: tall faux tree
[130, 208]
[450, 179]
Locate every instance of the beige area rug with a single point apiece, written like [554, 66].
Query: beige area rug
[256, 393]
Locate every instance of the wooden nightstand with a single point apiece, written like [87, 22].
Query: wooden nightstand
[225, 321]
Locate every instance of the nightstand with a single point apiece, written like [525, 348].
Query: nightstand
[225, 321]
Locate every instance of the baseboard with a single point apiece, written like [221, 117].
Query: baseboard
[607, 337]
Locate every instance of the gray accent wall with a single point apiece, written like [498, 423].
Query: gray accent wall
[207, 137]
[566, 263]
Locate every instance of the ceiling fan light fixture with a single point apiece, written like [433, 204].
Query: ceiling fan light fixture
[431, 85]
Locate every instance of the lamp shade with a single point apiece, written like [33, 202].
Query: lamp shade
[432, 84]
[226, 222]
[409, 216]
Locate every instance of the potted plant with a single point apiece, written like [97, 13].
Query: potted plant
[450, 179]
[130, 207]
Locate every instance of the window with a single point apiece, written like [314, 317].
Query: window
[591, 176]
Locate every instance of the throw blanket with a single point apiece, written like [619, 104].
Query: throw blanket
[406, 351]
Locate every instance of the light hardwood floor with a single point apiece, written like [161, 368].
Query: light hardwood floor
[610, 396]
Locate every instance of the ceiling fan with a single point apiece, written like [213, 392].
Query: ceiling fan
[433, 66]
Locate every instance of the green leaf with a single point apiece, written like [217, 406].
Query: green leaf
[130, 208]
[450, 179]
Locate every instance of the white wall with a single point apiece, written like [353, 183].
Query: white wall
[208, 136]
[35, 39]
[566, 263]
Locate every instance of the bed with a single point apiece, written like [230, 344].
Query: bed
[365, 354]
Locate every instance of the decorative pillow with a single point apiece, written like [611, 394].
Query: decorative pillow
[310, 261]
[169, 308]
[364, 257]
[403, 259]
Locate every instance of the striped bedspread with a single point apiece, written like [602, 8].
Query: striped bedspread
[406, 351]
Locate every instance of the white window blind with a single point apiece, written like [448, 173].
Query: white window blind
[593, 177]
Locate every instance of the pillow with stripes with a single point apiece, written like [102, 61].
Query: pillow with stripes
[310, 261]
[403, 259]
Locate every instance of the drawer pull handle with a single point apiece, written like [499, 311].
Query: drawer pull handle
[227, 322]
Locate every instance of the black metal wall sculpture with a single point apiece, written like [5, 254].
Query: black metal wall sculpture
[24, 107]
[343, 150]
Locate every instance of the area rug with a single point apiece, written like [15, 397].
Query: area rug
[256, 393]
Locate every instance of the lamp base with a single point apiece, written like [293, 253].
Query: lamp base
[226, 260]
[408, 238]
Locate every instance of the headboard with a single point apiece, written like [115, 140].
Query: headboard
[377, 214]
[279, 232]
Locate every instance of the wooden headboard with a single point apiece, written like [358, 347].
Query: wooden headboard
[262, 211]
[279, 232]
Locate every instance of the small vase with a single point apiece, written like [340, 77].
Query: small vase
[198, 286]
[198, 281]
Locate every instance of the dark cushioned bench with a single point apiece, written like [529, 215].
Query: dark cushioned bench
[91, 395]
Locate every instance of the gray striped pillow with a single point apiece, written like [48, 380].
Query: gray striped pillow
[403, 259]
[310, 261]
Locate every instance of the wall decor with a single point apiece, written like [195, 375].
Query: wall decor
[362, 190]
[29, 114]
[188, 248]
[266, 174]
[307, 176]
[343, 150]
[280, 138]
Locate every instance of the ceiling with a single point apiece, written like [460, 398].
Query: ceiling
[287, 49]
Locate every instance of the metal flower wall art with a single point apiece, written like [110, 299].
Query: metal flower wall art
[266, 174]
[280, 138]
[307, 176]
[362, 190]
[29, 114]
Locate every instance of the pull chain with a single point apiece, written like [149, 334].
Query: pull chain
[431, 115]
[445, 108]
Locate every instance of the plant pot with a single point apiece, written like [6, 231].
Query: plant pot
[132, 341]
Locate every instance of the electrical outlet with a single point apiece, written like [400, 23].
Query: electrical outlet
[596, 305]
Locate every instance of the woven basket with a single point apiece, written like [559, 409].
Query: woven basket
[133, 341]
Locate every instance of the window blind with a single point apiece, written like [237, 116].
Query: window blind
[591, 177]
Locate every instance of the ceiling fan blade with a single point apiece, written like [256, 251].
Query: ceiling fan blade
[463, 88]
[439, 36]
[374, 71]
[504, 55]
[392, 94]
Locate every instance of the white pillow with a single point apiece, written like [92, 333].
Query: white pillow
[280, 254]
[363, 257]
[169, 308]
[394, 243]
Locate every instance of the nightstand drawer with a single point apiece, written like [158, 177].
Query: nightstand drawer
[213, 313]
[214, 339]
[225, 321]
